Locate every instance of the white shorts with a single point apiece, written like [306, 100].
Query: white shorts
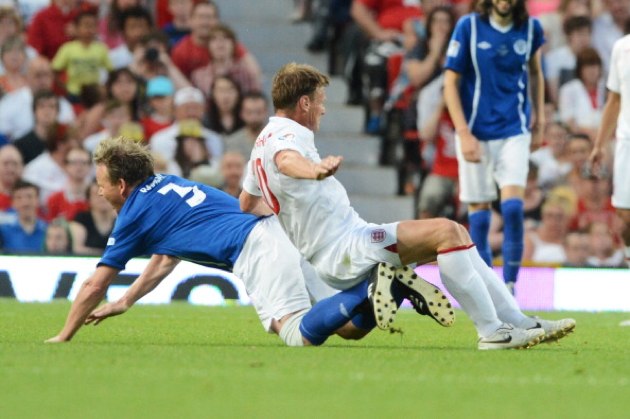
[621, 175]
[349, 259]
[272, 270]
[504, 163]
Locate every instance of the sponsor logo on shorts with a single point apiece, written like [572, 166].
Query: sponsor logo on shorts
[378, 235]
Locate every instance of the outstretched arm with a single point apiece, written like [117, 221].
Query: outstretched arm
[158, 268]
[293, 164]
[91, 293]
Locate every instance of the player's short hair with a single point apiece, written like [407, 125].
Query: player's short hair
[125, 159]
[293, 81]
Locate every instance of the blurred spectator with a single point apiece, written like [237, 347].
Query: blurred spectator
[89, 110]
[594, 203]
[52, 26]
[608, 27]
[13, 58]
[91, 229]
[560, 62]
[179, 26]
[16, 108]
[581, 100]
[189, 104]
[116, 115]
[27, 232]
[553, 21]
[552, 159]
[254, 113]
[225, 106]
[191, 151]
[72, 198]
[135, 23]
[10, 26]
[544, 244]
[438, 193]
[382, 23]
[160, 91]
[123, 85]
[604, 252]
[11, 168]
[47, 170]
[427, 55]
[58, 240]
[225, 62]
[533, 199]
[85, 59]
[576, 249]
[111, 27]
[578, 151]
[232, 170]
[45, 111]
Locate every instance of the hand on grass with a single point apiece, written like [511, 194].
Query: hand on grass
[55, 339]
[105, 311]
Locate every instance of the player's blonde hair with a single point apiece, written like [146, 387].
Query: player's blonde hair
[293, 81]
[125, 159]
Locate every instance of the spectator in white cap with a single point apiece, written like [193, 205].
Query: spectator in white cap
[160, 91]
[190, 103]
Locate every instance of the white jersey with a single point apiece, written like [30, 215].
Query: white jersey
[619, 82]
[313, 213]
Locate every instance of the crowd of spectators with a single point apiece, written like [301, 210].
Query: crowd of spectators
[172, 74]
[72, 73]
[397, 78]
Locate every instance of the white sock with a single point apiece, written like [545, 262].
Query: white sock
[504, 303]
[465, 285]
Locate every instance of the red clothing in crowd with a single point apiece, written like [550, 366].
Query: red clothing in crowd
[189, 56]
[390, 14]
[49, 30]
[151, 126]
[445, 163]
[59, 206]
[5, 202]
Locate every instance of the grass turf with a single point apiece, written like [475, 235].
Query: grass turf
[189, 361]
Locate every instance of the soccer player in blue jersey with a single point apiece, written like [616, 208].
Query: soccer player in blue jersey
[493, 62]
[172, 219]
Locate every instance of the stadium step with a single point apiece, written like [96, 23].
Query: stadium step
[264, 27]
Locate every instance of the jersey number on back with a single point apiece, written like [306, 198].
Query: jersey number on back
[196, 199]
[268, 196]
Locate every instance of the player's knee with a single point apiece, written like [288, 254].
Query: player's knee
[452, 233]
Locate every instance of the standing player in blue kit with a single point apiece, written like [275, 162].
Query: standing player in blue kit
[492, 61]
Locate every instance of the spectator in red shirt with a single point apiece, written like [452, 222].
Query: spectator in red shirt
[52, 26]
[160, 91]
[11, 168]
[72, 199]
[192, 51]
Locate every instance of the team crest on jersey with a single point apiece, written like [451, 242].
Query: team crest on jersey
[453, 48]
[378, 235]
[484, 45]
[111, 241]
[520, 46]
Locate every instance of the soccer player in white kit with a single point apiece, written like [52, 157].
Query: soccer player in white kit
[617, 113]
[286, 173]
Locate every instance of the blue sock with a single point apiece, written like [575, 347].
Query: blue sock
[364, 319]
[479, 222]
[329, 314]
[512, 211]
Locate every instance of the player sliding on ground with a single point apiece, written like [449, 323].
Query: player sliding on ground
[172, 218]
[286, 172]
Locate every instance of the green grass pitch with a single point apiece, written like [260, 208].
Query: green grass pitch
[183, 361]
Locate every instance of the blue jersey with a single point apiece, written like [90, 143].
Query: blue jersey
[494, 79]
[172, 216]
